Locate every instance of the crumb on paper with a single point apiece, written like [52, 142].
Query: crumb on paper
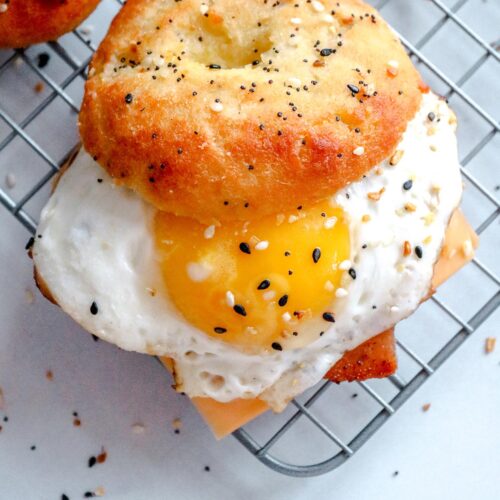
[2, 400]
[39, 87]
[489, 345]
[177, 423]
[49, 375]
[138, 428]
[99, 491]
[426, 407]
[395, 473]
[101, 458]
[10, 180]
[29, 296]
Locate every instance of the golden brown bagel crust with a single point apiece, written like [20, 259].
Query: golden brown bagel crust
[282, 123]
[25, 22]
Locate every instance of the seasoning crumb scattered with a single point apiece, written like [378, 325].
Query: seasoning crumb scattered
[489, 345]
[92, 461]
[64, 497]
[29, 296]
[101, 458]
[395, 473]
[138, 428]
[49, 375]
[10, 180]
[426, 407]
[177, 423]
[207, 468]
[99, 491]
[39, 87]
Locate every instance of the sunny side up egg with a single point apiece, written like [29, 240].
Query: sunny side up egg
[261, 308]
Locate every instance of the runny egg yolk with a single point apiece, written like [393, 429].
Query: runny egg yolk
[255, 284]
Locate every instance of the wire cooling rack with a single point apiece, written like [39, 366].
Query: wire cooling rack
[39, 101]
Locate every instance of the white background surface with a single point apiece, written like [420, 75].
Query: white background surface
[451, 451]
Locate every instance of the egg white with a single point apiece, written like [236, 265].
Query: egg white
[97, 245]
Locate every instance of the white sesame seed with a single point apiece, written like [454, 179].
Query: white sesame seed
[317, 6]
[209, 232]
[10, 180]
[393, 64]
[328, 18]
[269, 295]
[3, 8]
[294, 42]
[329, 286]
[197, 272]
[203, 9]
[394, 309]
[217, 107]
[359, 151]
[230, 299]
[286, 316]
[330, 222]
[467, 249]
[138, 428]
[280, 218]
[341, 292]
[292, 219]
[262, 245]
[296, 20]
[296, 82]
[345, 265]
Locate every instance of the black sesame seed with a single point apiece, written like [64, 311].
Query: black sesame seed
[276, 346]
[88, 494]
[328, 317]
[431, 116]
[64, 497]
[407, 185]
[245, 248]
[364, 246]
[353, 88]
[352, 273]
[129, 98]
[264, 284]
[92, 461]
[316, 255]
[99, 181]
[283, 300]
[33, 448]
[240, 310]
[419, 252]
[30, 243]
[42, 59]
[287, 254]
[220, 329]
[214, 66]
[325, 52]
[207, 468]
[93, 308]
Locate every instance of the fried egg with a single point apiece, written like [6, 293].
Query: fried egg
[258, 308]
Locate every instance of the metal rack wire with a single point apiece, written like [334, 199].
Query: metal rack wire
[73, 53]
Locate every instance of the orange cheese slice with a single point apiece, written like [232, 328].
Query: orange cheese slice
[374, 358]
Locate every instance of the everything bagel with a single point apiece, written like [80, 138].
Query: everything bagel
[26, 22]
[234, 110]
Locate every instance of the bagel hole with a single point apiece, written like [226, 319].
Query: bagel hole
[213, 43]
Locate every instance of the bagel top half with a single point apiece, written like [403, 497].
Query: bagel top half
[224, 110]
[25, 22]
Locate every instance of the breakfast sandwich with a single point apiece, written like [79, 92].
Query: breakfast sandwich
[264, 190]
